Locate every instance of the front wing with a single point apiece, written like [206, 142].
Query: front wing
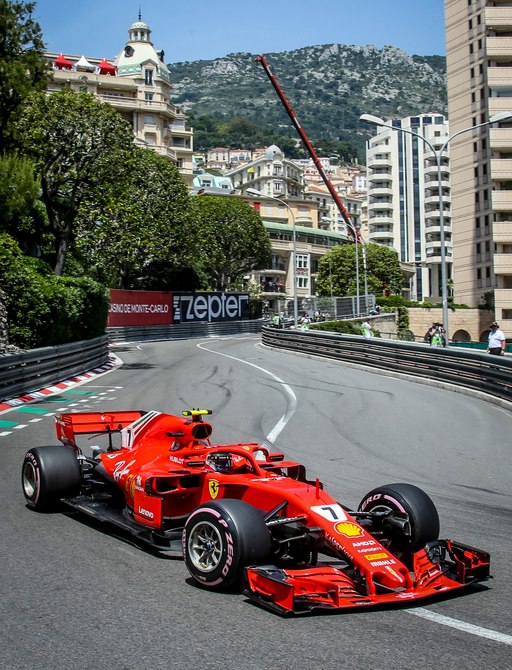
[440, 568]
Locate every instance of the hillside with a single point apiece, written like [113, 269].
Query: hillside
[329, 87]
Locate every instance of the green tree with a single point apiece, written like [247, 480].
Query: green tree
[23, 67]
[338, 267]
[139, 222]
[78, 144]
[231, 240]
[21, 214]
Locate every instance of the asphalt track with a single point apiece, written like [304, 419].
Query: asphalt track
[77, 597]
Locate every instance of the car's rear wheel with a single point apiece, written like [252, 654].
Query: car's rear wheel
[420, 526]
[49, 473]
[221, 538]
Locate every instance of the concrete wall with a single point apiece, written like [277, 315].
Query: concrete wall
[473, 321]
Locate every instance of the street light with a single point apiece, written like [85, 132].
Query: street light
[357, 239]
[258, 194]
[376, 121]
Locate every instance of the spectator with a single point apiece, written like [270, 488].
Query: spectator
[497, 342]
[366, 329]
[438, 338]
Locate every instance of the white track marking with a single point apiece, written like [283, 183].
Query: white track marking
[292, 405]
[419, 612]
[462, 625]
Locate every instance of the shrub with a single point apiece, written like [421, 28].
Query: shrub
[44, 310]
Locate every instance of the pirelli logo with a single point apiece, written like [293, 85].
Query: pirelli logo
[376, 557]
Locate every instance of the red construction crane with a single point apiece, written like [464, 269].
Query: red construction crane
[342, 209]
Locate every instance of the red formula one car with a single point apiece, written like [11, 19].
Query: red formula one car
[241, 515]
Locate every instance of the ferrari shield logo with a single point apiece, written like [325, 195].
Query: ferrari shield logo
[213, 487]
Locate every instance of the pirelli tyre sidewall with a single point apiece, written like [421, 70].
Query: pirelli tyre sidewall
[220, 539]
[48, 474]
[422, 513]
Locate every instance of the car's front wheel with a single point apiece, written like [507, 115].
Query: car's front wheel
[221, 538]
[49, 473]
[408, 520]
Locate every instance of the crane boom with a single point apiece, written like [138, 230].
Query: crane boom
[293, 117]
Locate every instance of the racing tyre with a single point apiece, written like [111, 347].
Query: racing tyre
[49, 473]
[423, 521]
[221, 538]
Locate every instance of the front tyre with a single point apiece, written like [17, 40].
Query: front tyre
[49, 473]
[221, 538]
[422, 521]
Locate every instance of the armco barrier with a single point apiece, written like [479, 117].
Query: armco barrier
[183, 330]
[31, 370]
[474, 370]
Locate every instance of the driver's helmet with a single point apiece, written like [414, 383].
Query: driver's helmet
[220, 462]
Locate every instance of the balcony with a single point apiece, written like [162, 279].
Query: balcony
[501, 169]
[380, 234]
[499, 77]
[380, 220]
[499, 48]
[380, 176]
[380, 206]
[502, 201]
[383, 161]
[502, 231]
[434, 199]
[501, 138]
[498, 17]
[497, 105]
[503, 264]
[380, 190]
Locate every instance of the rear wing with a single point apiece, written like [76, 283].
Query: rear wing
[87, 423]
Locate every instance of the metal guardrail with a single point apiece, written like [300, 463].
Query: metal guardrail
[183, 330]
[482, 372]
[31, 370]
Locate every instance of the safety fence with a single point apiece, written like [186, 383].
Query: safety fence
[31, 370]
[183, 331]
[474, 370]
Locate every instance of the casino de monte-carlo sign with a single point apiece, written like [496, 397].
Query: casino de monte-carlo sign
[163, 308]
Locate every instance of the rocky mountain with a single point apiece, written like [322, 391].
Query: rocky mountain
[329, 86]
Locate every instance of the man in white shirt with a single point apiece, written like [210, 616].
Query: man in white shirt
[497, 341]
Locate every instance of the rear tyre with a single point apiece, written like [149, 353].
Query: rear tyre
[221, 538]
[49, 473]
[423, 519]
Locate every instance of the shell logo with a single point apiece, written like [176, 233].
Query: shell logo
[348, 529]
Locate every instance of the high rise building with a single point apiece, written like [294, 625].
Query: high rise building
[404, 197]
[479, 69]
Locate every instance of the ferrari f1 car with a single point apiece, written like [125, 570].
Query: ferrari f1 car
[244, 517]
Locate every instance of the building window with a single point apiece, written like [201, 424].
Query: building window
[302, 282]
[302, 261]
[148, 97]
[148, 77]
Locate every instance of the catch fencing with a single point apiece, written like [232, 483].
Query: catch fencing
[491, 375]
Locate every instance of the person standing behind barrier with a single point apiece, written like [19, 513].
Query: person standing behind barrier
[438, 338]
[366, 329]
[497, 342]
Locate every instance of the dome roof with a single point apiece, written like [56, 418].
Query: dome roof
[139, 49]
[139, 25]
[273, 151]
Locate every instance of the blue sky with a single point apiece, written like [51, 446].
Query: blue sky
[204, 29]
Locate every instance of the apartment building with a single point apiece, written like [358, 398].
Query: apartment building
[479, 69]
[405, 196]
[138, 85]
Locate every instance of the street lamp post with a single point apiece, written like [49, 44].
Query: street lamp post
[253, 191]
[376, 121]
[358, 292]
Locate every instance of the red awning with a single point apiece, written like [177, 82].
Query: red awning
[62, 63]
[106, 68]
